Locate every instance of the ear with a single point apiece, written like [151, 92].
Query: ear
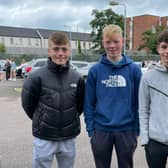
[49, 51]
[102, 43]
[157, 48]
[123, 41]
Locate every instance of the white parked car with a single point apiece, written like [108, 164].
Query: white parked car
[81, 66]
[139, 63]
[148, 68]
[144, 69]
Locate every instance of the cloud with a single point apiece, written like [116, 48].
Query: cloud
[52, 14]
[139, 7]
[8, 3]
[48, 14]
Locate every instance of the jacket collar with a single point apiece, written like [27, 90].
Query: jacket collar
[57, 68]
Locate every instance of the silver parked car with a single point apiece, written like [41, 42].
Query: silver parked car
[80, 66]
[34, 65]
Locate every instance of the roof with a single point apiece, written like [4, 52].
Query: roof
[74, 35]
[18, 32]
[146, 15]
[34, 33]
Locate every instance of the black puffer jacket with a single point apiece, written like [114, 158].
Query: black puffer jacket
[53, 98]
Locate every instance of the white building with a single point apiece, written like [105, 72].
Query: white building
[35, 41]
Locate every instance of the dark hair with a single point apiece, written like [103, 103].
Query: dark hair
[58, 38]
[163, 36]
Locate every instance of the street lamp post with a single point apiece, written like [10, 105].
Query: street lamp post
[70, 39]
[125, 19]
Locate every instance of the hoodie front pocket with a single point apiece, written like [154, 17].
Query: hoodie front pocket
[114, 112]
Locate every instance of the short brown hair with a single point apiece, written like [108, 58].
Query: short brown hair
[111, 29]
[163, 36]
[58, 38]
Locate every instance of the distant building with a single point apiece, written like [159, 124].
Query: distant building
[137, 25]
[19, 40]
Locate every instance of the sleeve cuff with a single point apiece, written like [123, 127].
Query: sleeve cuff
[144, 141]
[90, 133]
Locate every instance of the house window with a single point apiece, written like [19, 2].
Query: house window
[21, 41]
[2, 40]
[29, 41]
[76, 44]
[37, 43]
[89, 45]
[84, 45]
[11, 40]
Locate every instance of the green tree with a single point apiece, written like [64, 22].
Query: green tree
[2, 48]
[79, 47]
[101, 19]
[150, 39]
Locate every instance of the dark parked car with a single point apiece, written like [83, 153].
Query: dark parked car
[20, 70]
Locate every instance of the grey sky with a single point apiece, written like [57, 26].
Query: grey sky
[76, 14]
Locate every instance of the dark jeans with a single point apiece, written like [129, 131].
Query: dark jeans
[156, 154]
[102, 146]
[7, 74]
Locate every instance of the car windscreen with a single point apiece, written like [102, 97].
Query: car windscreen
[40, 63]
[80, 65]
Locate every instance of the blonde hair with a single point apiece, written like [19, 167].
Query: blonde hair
[112, 29]
[58, 38]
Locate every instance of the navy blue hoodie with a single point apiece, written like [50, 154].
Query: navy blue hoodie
[111, 97]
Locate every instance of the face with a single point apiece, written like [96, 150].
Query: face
[59, 53]
[162, 49]
[113, 46]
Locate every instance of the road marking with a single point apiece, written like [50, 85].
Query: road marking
[18, 89]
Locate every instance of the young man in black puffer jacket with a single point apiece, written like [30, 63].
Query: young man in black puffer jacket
[52, 97]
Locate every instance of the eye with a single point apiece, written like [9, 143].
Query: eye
[164, 46]
[64, 49]
[107, 42]
[116, 41]
[55, 49]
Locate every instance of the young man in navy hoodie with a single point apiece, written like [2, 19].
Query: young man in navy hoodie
[111, 103]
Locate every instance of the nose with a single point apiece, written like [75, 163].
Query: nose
[60, 52]
[112, 44]
[167, 50]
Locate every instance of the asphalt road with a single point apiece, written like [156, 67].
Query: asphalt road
[16, 138]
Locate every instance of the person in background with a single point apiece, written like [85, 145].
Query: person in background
[143, 64]
[52, 97]
[13, 70]
[8, 68]
[1, 72]
[153, 108]
[111, 103]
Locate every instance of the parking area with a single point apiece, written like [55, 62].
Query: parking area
[16, 139]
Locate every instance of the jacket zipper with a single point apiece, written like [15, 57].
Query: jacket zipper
[61, 103]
